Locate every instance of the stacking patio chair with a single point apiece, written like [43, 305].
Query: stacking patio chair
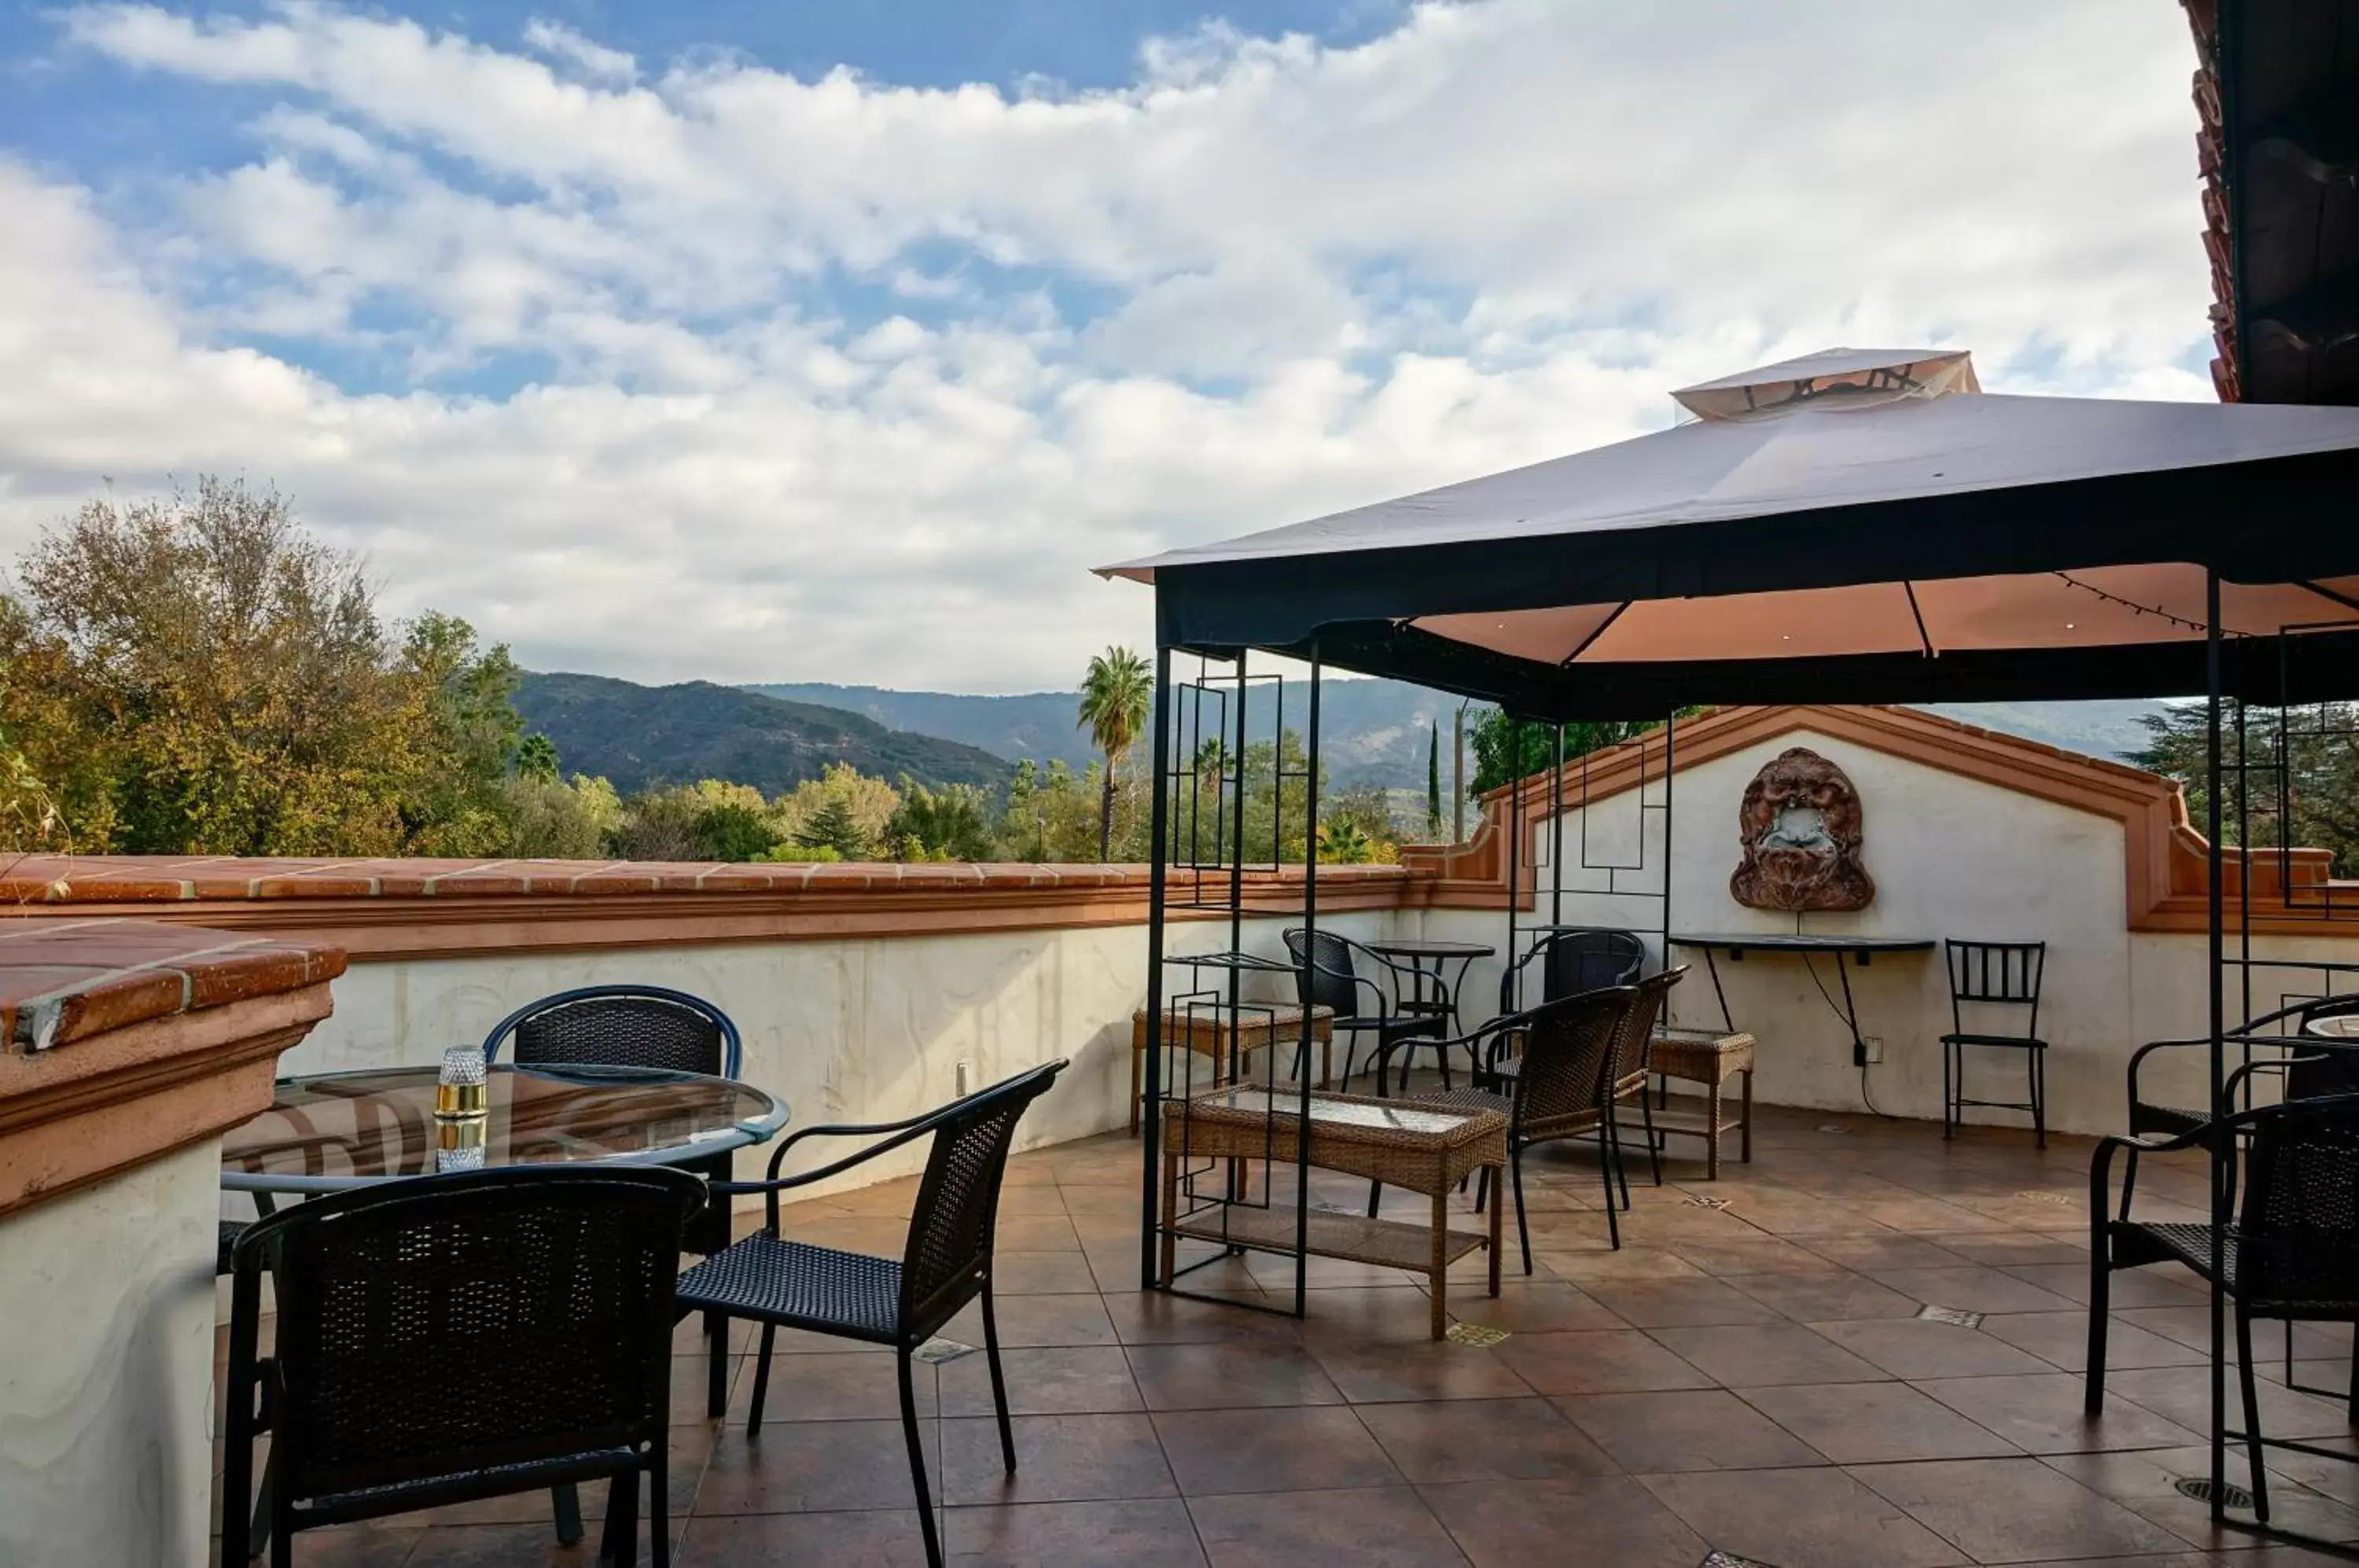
[1573, 961]
[1325, 977]
[640, 1026]
[455, 1337]
[779, 1284]
[2326, 1074]
[1562, 1087]
[1997, 981]
[2291, 1256]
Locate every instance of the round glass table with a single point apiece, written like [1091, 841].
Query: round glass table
[335, 1131]
[2341, 1027]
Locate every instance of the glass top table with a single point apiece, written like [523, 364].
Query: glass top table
[336, 1131]
[2341, 1027]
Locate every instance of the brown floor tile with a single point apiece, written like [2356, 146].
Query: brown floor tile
[1221, 1375]
[2144, 1482]
[1042, 1273]
[1752, 1356]
[1603, 1519]
[826, 1388]
[1809, 1518]
[886, 1538]
[1697, 1429]
[1595, 1362]
[1369, 1314]
[1825, 1298]
[1678, 1303]
[2009, 1249]
[1889, 1250]
[1972, 1288]
[1631, 1262]
[1039, 1232]
[2183, 1394]
[1038, 1321]
[1368, 1373]
[491, 1546]
[814, 1466]
[1155, 1317]
[1042, 1382]
[2128, 1288]
[1868, 1423]
[1156, 1534]
[1271, 1450]
[1916, 1348]
[2062, 1339]
[377, 1545]
[1059, 1459]
[2008, 1510]
[1767, 1254]
[2041, 1414]
[2190, 1326]
[1484, 1440]
[1534, 1306]
[1383, 1527]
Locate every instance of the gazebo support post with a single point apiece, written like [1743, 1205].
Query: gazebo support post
[1151, 1113]
[2215, 1002]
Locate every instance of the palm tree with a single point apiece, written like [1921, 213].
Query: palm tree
[1116, 696]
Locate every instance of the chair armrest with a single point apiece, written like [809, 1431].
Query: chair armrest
[2139, 1057]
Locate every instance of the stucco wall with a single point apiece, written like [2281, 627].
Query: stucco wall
[1951, 857]
[844, 1030]
[105, 1433]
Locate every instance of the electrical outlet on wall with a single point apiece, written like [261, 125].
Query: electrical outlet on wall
[962, 1077]
[1871, 1050]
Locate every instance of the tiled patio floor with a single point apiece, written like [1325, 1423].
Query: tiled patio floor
[1750, 1379]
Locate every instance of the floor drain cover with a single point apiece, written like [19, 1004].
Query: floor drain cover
[1697, 1199]
[2061, 1200]
[1474, 1334]
[2200, 1488]
[936, 1351]
[1823, 1126]
[1955, 1317]
[1730, 1559]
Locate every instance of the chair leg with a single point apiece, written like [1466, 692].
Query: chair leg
[659, 1509]
[2252, 1412]
[1949, 1087]
[761, 1380]
[1654, 1140]
[1483, 1190]
[1612, 1135]
[999, 1380]
[2038, 1096]
[1523, 1226]
[918, 1460]
[1605, 1169]
[565, 1507]
[620, 1544]
[716, 1372]
[2101, 1280]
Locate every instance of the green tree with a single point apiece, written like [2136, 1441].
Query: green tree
[951, 823]
[1433, 783]
[2317, 758]
[1343, 843]
[1117, 696]
[832, 826]
[1497, 760]
[455, 803]
[1023, 820]
[536, 757]
[551, 819]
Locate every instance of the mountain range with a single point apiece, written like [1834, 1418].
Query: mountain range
[775, 735]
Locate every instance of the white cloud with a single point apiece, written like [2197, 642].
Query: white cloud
[809, 394]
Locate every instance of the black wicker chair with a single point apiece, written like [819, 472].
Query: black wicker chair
[455, 1337]
[2291, 1256]
[946, 1264]
[1985, 975]
[1573, 961]
[1326, 976]
[640, 1026]
[2282, 1028]
[1562, 1087]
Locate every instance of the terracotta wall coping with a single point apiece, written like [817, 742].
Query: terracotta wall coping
[62, 981]
[122, 1040]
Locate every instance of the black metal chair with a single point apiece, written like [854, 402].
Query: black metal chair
[1573, 961]
[2291, 1256]
[640, 1026]
[2327, 1075]
[780, 1283]
[1562, 1088]
[454, 1337]
[1985, 975]
[1325, 977]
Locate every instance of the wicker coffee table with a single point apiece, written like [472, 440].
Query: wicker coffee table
[1424, 1151]
[1203, 1030]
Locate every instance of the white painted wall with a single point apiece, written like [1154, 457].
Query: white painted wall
[105, 1435]
[1951, 857]
[851, 1030]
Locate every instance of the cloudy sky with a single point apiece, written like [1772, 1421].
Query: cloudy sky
[748, 340]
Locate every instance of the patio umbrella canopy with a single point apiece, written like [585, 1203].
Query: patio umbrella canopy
[1854, 525]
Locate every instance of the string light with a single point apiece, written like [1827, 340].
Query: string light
[2130, 604]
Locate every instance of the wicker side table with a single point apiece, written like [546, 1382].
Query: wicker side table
[1204, 1031]
[1427, 1151]
[1710, 1058]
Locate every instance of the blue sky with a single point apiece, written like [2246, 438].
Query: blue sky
[798, 341]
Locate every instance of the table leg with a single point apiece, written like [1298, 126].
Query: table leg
[1137, 1056]
[1327, 1060]
[1746, 1146]
[1168, 1249]
[1441, 1261]
[1711, 1130]
[1498, 1207]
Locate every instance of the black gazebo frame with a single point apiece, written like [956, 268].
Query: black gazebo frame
[2269, 520]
